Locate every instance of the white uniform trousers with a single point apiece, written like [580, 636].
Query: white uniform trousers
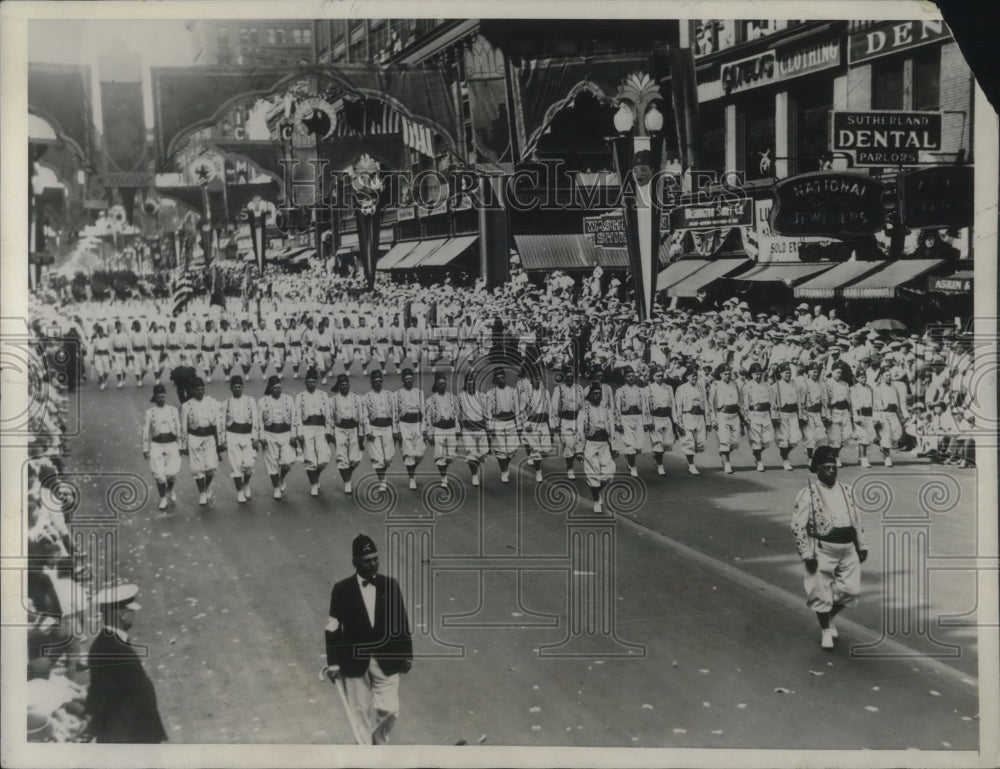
[537, 439]
[505, 439]
[693, 440]
[203, 453]
[789, 434]
[371, 692]
[837, 578]
[662, 437]
[347, 447]
[475, 443]
[164, 460]
[598, 465]
[815, 432]
[242, 457]
[412, 445]
[445, 446]
[891, 430]
[631, 434]
[278, 451]
[569, 438]
[316, 450]
[729, 431]
[382, 448]
[840, 427]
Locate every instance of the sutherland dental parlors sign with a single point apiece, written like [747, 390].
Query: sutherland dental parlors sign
[827, 203]
[784, 64]
[887, 138]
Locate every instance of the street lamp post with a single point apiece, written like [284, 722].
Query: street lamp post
[256, 212]
[638, 151]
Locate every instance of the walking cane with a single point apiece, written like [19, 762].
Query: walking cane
[339, 686]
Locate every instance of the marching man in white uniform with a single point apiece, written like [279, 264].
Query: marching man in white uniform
[410, 412]
[567, 400]
[349, 423]
[536, 405]
[199, 430]
[312, 412]
[634, 418]
[160, 431]
[691, 410]
[441, 425]
[278, 425]
[239, 428]
[595, 426]
[503, 414]
[382, 421]
[724, 404]
[660, 404]
[472, 426]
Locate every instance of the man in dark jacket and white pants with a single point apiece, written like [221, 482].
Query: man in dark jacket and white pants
[368, 643]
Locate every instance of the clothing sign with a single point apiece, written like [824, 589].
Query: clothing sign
[893, 37]
[887, 138]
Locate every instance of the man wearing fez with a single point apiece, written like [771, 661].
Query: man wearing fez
[160, 430]
[410, 434]
[830, 541]
[595, 427]
[239, 431]
[278, 431]
[660, 404]
[121, 701]
[199, 438]
[691, 411]
[312, 412]
[383, 425]
[349, 423]
[368, 643]
[441, 425]
[503, 414]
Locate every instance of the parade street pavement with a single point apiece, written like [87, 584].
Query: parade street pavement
[708, 614]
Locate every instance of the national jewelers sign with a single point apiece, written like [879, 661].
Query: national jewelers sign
[828, 204]
[886, 138]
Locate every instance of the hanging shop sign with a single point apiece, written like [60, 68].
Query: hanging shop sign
[893, 37]
[771, 247]
[937, 197]
[771, 67]
[953, 285]
[828, 203]
[406, 213]
[886, 138]
[606, 230]
[722, 213]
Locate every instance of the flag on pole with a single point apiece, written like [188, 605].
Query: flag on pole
[183, 291]
[215, 295]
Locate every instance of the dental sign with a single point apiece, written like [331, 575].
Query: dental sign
[772, 67]
[893, 37]
[887, 138]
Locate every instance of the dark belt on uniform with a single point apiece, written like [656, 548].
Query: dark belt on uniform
[380, 422]
[164, 438]
[598, 435]
[696, 411]
[315, 420]
[208, 349]
[226, 346]
[246, 346]
[381, 341]
[347, 424]
[631, 411]
[789, 409]
[840, 535]
[663, 411]
[538, 418]
[568, 414]
[278, 427]
[190, 347]
[296, 344]
[410, 418]
[121, 349]
[445, 424]
[840, 405]
[505, 415]
[891, 407]
[323, 349]
[173, 347]
[730, 409]
[156, 347]
[471, 424]
[138, 349]
[201, 432]
[279, 344]
[363, 343]
[865, 411]
[814, 409]
[240, 428]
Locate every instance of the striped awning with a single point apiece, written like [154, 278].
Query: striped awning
[825, 285]
[612, 257]
[303, 256]
[677, 271]
[450, 251]
[789, 273]
[712, 270]
[883, 284]
[555, 252]
[421, 251]
[396, 254]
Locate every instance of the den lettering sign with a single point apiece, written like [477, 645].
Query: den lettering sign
[827, 204]
[886, 138]
[893, 37]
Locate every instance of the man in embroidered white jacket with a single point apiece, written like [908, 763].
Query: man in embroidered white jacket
[831, 542]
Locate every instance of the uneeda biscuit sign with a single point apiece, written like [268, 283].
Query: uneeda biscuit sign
[828, 204]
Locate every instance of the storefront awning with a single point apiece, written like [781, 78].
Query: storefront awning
[616, 258]
[957, 283]
[450, 251]
[423, 249]
[303, 256]
[825, 286]
[883, 284]
[396, 254]
[712, 270]
[789, 273]
[555, 252]
[677, 271]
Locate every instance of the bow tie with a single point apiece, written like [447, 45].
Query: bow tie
[367, 582]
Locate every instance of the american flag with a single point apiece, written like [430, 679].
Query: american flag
[183, 291]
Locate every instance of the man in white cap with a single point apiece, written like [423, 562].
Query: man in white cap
[121, 700]
[199, 438]
[160, 431]
[239, 431]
